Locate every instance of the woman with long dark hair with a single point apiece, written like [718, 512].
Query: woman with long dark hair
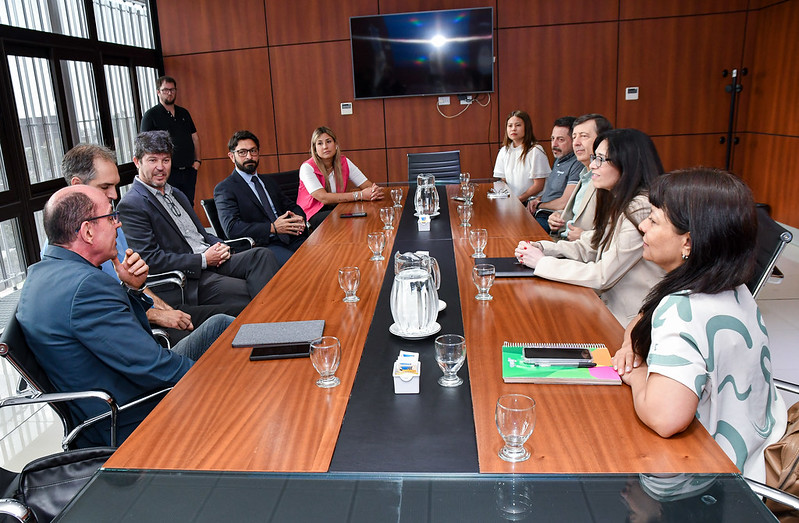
[700, 332]
[608, 258]
[325, 176]
[521, 161]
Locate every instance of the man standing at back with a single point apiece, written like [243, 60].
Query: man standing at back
[167, 116]
[161, 225]
[578, 215]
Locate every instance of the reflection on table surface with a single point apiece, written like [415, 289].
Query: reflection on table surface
[117, 495]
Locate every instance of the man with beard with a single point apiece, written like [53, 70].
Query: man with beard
[251, 204]
[161, 225]
[166, 116]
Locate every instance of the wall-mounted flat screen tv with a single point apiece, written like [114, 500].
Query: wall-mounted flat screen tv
[426, 53]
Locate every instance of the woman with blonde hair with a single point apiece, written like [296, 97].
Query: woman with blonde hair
[325, 176]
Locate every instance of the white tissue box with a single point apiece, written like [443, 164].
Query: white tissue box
[407, 382]
[424, 222]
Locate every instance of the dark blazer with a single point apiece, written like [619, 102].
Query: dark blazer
[242, 214]
[87, 333]
[152, 233]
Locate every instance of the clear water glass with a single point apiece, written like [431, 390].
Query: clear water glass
[396, 196]
[478, 238]
[348, 279]
[387, 215]
[450, 355]
[465, 214]
[515, 417]
[464, 179]
[467, 191]
[325, 357]
[483, 275]
[376, 242]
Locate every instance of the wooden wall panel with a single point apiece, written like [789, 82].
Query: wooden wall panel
[226, 92]
[478, 160]
[197, 26]
[638, 9]
[299, 21]
[579, 80]
[769, 167]
[411, 6]
[679, 152]
[681, 90]
[310, 81]
[770, 99]
[372, 162]
[517, 13]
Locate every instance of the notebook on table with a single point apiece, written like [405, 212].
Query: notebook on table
[508, 267]
[516, 370]
[286, 339]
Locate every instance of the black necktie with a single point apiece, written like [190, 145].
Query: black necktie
[259, 189]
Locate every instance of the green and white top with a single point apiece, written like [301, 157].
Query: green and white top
[717, 346]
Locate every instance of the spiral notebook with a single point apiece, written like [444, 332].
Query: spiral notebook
[516, 370]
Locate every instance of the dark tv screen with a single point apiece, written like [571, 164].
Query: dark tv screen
[427, 53]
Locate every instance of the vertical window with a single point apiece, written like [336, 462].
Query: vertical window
[65, 17]
[146, 77]
[38, 217]
[38, 118]
[12, 259]
[84, 117]
[3, 175]
[125, 22]
[123, 117]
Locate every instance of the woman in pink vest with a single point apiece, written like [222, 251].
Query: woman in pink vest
[324, 178]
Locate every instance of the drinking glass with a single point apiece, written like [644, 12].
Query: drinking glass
[450, 355]
[348, 279]
[396, 196]
[467, 191]
[387, 215]
[464, 179]
[478, 239]
[515, 417]
[325, 356]
[483, 276]
[377, 242]
[465, 214]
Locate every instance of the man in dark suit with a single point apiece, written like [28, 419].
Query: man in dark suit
[160, 224]
[87, 330]
[251, 204]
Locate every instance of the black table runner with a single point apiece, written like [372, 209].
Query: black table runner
[432, 431]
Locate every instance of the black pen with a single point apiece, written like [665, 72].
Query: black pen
[582, 365]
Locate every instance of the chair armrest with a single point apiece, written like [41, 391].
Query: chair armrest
[168, 279]
[786, 386]
[543, 213]
[54, 397]
[773, 494]
[15, 509]
[240, 244]
[162, 338]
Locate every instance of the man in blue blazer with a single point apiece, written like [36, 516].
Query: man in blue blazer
[88, 331]
[161, 225]
[251, 204]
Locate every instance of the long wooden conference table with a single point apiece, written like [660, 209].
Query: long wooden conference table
[231, 414]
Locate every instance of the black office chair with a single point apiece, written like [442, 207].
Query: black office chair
[237, 244]
[771, 241]
[444, 165]
[289, 182]
[46, 485]
[15, 349]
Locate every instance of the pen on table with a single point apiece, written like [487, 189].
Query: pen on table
[583, 365]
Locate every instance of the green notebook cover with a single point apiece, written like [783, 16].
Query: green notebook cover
[516, 370]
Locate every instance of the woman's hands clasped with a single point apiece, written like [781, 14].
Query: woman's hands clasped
[528, 253]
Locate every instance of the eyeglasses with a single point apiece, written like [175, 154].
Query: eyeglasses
[113, 218]
[168, 91]
[242, 153]
[599, 160]
[172, 205]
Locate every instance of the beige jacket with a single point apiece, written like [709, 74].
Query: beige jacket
[619, 274]
[583, 217]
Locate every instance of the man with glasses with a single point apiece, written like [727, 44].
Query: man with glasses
[162, 226]
[251, 204]
[167, 116]
[86, 330]
[578, 215]
[95, 165]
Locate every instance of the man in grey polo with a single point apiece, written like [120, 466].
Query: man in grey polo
[564, 177]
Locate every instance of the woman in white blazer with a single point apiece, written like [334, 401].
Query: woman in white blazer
[609, 259]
